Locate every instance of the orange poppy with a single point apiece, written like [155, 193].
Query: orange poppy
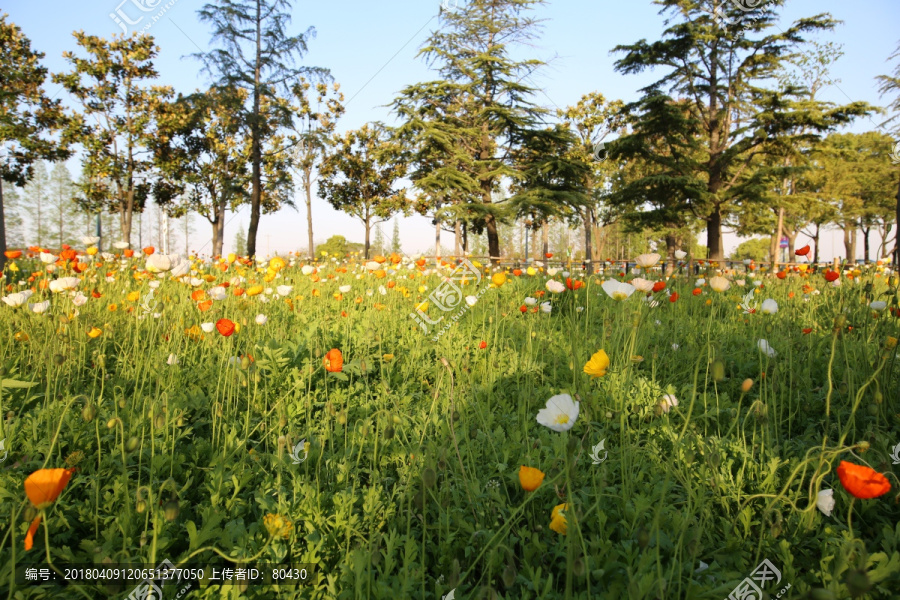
[862, 481]
[391, 284]
[43, 487]
[530, 478]
[149, 250]
[549, 255]
[334, 361]
[204, 305]
[198, 295]
[380, 273]
[659, 286]
[238, 291]
[128, 253]
[517, 272]
[225, 327]
[420, 263]
[379, 259]
[395, 258]
[573, 284]
[67, 254]
[781, 274]
[697, 291]
[13, 254]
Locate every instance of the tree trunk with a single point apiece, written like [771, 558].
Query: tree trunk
[715, 250]
[671, 247]
[866, 242]
[457, 230]
[309, 225]
[490, 225]
[465, 238]
[2, 230]
[816, 242]
[850, 242]
[437, 240]
[255, 149]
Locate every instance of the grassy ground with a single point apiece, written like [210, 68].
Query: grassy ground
[408, 483]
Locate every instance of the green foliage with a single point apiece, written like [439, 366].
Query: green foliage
[756, 249]
[338, 246]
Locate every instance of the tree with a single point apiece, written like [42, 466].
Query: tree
[61, 207]
[116, 123]
[240, 242]
[338, 246]
[257, 55]
[378, 244]
[37, 192]
[312, 130]
[12, 211]
[755, 249]
[359, 176]
[28, 118]
[396, 246]
[464, 129]
[201, 147]
[718, 69]
[891, 84]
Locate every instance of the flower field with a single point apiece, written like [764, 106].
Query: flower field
[525, 433]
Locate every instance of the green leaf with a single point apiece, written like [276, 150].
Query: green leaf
[13, 383]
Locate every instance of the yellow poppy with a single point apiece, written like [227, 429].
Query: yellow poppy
[558, 521]
[94, 332]
[498, 279]
[254, 290]
[598, 364]
[530, 478]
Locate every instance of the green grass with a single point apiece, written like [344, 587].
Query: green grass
[410, 488]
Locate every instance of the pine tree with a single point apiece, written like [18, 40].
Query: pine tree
[240, 242]
[378, 244]
[61, 208]
[395, 239]
[37, 196]
[256, 55]
[12, 216]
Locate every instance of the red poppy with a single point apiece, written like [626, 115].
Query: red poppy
[517, 272]
[225, 327]
[806, 330]
[831, 275]
[549, 255]
[862, 481]
[573, 284]
[659, 286]
[802, 251]
[523, 308]
[96, 294]
[673, 297]
[334, 361]
[781, 274]
[482, 345]
[697, 291]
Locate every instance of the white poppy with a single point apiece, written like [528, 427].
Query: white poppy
[741, 282]
[307, 269]
[560, 413]
[766, 348]
[471, 300]
[217, 293]
[546, 307]
[181, 269]
[372, 265]
[700, 282]
[642, 285]
[79, 299]
[667, 402]
[529, 301]
[64, 284]
[645, 261]
[154, 284]
[172, 360]
[719, 284]
[48, 258]
[90, 240]
[617, 290]
[825, 501]
[284, 290]
[557, 287]
[878, 305]
[39, 307]
[196, 281]
[344, 289]
[121, 245]
[769, 307]
[18, 299]
[552, 271]
[382, 290]
[158, 263]
[261, 319]
[208, 327]
[680, 254]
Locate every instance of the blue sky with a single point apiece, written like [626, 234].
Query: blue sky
[371, 50]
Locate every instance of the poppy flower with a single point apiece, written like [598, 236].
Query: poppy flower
[617, 290]
[659, 286]
[549, 255]
[523, 309]
[802, 251]
[205, 305]
[530, 478]
[149, 250]
[560, 413]
[831, 275]
[334, 361]
[517, 272]
[598, 364]
[198, 295]
[225, 327]
[43, 487]
[482, 345]
[861, 481]
[807, 330]
[697, 291]
[558, 521]
[645, 261]
[498, 279]
[128, 253]
[781, 274]
[673, 297]
[13, 254]
[574, 284]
